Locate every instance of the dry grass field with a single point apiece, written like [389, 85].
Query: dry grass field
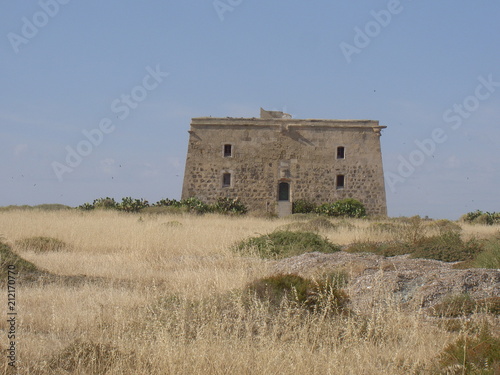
[161, 294]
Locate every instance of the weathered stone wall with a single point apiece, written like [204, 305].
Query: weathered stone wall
[300, 152]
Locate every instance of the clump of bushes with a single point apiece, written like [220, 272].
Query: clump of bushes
[310, 294]
[303, 206]
[41, 244]
[480, 217]
[447, 247]
[128, 204]
[223, 205]
[343, 208]
[282, 244]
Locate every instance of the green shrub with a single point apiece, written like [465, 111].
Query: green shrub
[472, 355]
[105, 203]
[225, 205]
[303, 206]
[309, 294]
[86, 207]
[167, 203]
[490, 257]
[128, 204]
[41, 244]
[345, 208]
[282, 244]
[447, 247]
[195, 205]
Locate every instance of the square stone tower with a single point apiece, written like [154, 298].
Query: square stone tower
[272, 161]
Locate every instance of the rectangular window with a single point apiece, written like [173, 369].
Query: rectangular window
[228, 151]
[226, 180]
[340, 181]
[341, 152]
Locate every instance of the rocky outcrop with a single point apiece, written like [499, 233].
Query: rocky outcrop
[415, 283]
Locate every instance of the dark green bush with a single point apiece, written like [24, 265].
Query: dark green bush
[225, 205]
[343, 208]
[282, 244]
[41, 244]
[128, 204]
[303, 206]
[309, 294]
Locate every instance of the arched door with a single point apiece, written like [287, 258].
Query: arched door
[284, 191]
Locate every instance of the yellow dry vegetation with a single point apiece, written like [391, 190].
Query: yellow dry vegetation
[157, 294]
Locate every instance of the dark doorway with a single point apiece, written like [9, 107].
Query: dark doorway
[284, 191]
[340, 181]
[226, 179]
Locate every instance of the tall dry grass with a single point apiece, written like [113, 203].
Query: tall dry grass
[159, 295]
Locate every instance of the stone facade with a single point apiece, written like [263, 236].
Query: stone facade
[271, 161]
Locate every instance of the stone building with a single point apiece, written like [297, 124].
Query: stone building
[272, 161]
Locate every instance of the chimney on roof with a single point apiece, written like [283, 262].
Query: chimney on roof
[273, 114]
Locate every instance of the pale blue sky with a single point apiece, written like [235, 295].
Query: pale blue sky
[414, 62]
